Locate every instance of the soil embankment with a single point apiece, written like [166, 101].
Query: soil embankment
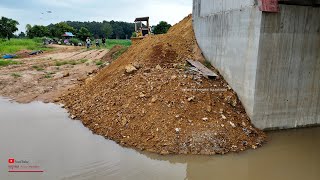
[149, 99]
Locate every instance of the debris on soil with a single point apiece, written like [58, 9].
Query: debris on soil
[161, 107]
[202, 69]
[9, 56]
[36, 52]
[130, 69]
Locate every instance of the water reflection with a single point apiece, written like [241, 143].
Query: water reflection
[292, 154]
[67, 150]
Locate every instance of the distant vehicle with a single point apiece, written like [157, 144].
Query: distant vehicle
[140, 28]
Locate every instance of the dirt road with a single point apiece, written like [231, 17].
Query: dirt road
[45, 77]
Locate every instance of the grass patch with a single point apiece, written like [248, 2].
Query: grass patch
[15, 45]
[99, 63]
[110, 43]
[73, 62]
[37, 68]
[207, 64]
[83, 60]
[15, 75]
[62, 63]
[119, 53]
[48, 75]
[8, 62]
[113, 42]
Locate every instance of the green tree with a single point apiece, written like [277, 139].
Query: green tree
[107, 29]
[161, 28]
[59, 29]
[37, 31]
[83, 33]
[117, 31]
[22, 35]
[28, 27]
[8, 27]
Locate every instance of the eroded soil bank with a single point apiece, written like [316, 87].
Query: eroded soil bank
[151, 100]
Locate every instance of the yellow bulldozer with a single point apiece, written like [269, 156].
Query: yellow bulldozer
[142, 28]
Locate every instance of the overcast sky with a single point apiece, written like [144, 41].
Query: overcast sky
[37, 11]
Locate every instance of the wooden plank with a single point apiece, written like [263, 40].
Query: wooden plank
[204, 70]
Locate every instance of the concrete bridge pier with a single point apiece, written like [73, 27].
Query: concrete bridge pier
[269, 52]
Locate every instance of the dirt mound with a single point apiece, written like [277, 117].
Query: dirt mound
[23, 53]
[149, 99]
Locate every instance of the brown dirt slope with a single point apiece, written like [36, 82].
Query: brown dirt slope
[160, 105]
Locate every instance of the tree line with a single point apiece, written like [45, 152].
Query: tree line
[111, 30]
[82, 30]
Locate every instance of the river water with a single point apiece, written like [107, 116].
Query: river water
[43, 138]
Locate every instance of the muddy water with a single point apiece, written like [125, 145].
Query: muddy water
[43, 135]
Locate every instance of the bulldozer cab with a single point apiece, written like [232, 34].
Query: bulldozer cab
[142, 27]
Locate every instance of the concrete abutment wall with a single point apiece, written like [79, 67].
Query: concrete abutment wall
[272, 60]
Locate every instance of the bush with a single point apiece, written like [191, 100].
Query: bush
[161, 28]
[74, 41]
